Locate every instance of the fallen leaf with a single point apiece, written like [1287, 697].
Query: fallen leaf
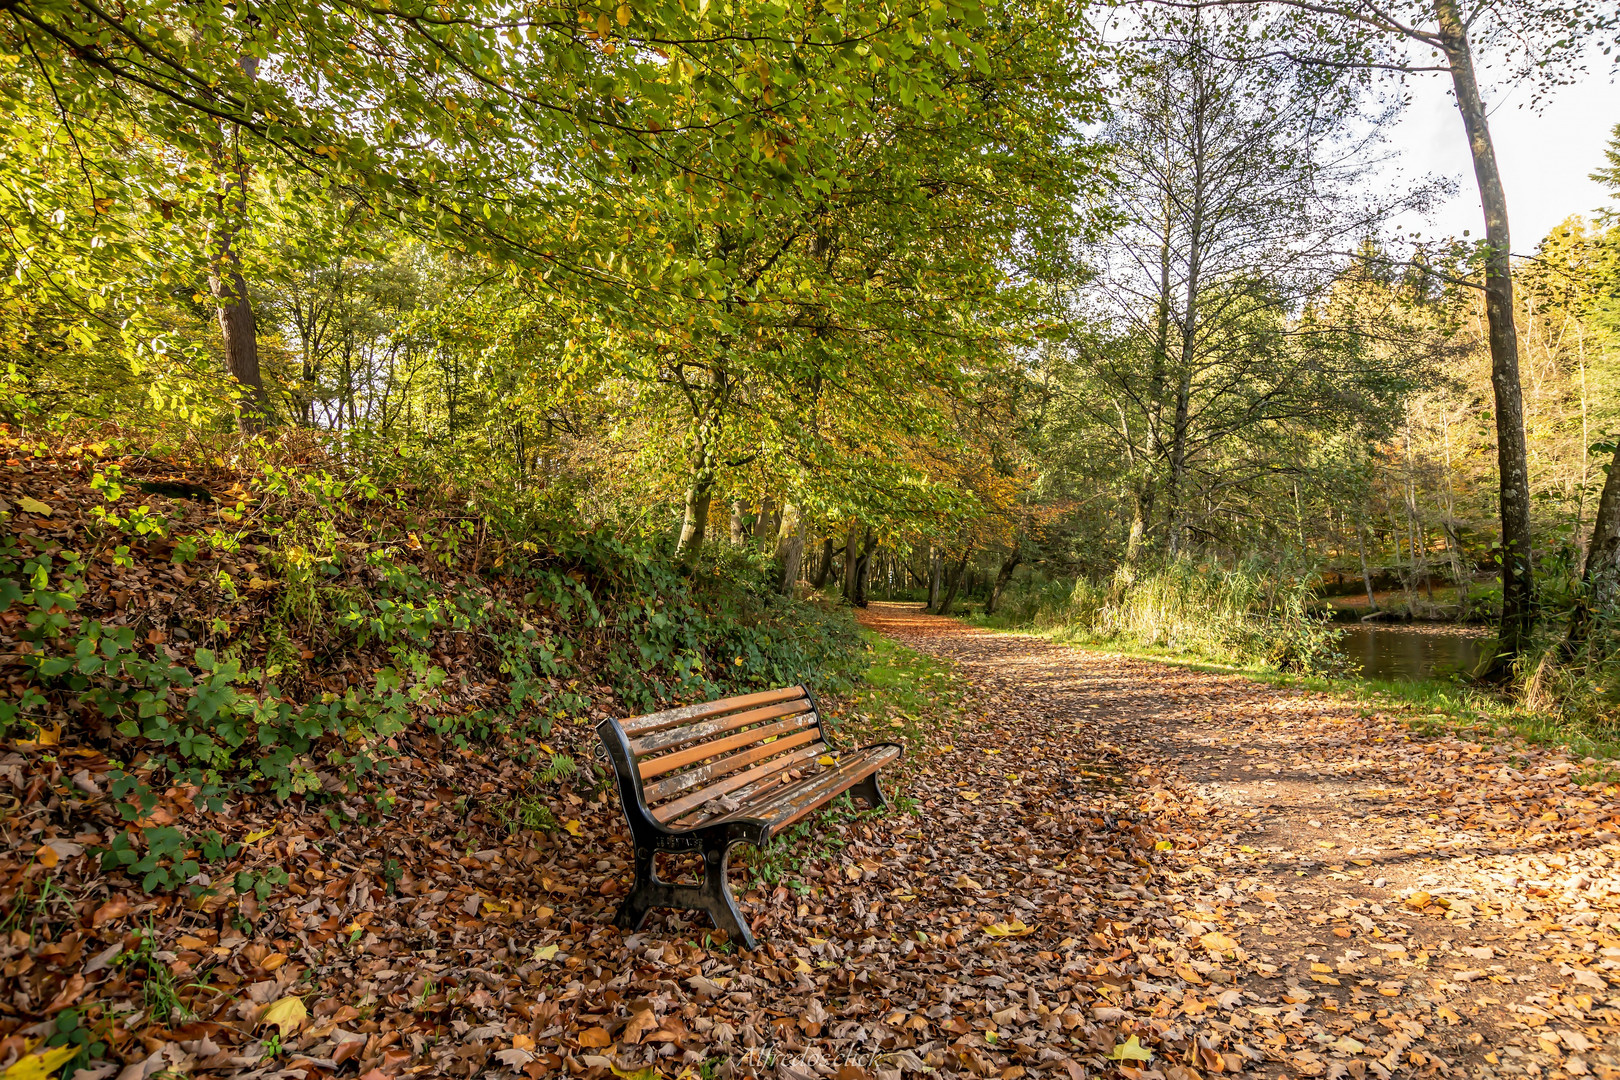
[40, 1065]
[34, 506]
[595, 1037]
[1131, 1050]
[1016, 928]
[288, 1014]
[255, 837]
[573, 826]
[1215, 941]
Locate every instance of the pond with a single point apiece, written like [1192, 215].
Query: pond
[1404, 652]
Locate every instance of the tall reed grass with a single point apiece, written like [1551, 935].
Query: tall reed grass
[1244, 614]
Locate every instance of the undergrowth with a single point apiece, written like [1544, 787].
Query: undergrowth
[269, 621]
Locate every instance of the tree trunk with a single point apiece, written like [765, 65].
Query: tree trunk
[738, 532]
[1366, 578]
[696, 520]
[863, 566]
[956, 582]
[699, 494]
[1518, 611]
[850, 559]
[1003, 576]
[824, 571]
[1141, 513]
[1601, 580]
[765, 528]
[936, 574]
[237, 326]
[789, 549]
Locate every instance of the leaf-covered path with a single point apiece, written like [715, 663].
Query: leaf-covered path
[1343, 896]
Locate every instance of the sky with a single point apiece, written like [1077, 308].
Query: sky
[1544, 156]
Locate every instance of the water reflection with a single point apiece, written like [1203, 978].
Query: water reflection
[1393, 652]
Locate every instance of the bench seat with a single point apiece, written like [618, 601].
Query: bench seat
[703, 778]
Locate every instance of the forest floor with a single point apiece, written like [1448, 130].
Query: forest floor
[1346, 892]
[1095, 866]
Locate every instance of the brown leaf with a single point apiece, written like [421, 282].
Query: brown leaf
[595, 1037]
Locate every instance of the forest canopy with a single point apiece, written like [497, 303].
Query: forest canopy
[932, 297]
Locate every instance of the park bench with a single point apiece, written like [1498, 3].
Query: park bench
[702, 778]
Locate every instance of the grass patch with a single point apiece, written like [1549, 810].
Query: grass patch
[901, 696]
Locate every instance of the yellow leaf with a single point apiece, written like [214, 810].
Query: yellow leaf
[33, 506]
[971, 796]
[826, 759]
[965, 882]
[288, 1014]
[1215, 941]
[988, 751]
[649, 1073]
[1164, 845]
[47, 855]
[624, 20]
[256, 836]
[497, 907]
[545, 952]
[547, 748]
[48, 736]
[573, 826]
[946, 749]
[1131, 1050]
[1323, 968]
[800, 965]
[1016, 928]
[1418, 900]
[40, 1065]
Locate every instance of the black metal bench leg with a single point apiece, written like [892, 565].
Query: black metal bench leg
[718, 901]
[643, 894]
[868, 789]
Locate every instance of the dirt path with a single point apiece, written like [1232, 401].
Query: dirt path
[1343, 897]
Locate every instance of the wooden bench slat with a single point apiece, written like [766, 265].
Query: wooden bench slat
[738, 780]
[793, 802]
[674, 785]
[669, 738]
[641, 725]
[670, 762]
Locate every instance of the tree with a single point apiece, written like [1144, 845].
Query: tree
[1542, 43]
[1239, 198]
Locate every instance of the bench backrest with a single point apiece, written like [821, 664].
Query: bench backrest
[734, 748]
